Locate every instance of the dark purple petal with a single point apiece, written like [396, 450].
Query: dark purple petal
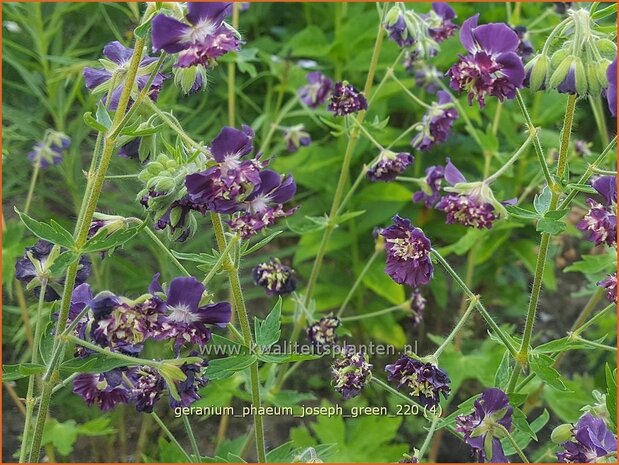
[95, 77]
[169, 34]
[154, 285]
[452, 175]
[606, 187]
[218, 314]
[231, 141]
[466, 33]
[186, 292]
[117, 52]
[496, 38]
[214, 12]
[611, 92]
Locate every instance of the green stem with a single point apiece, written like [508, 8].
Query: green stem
[32, 379]
[599, 315]
[514, 444]
[241, 310]
[413, 97]
[166, 250]
[369, 136]
[600, 120]
[395, 392]
[282, 114]
[192, 438]
[536, 142]
[33, 183]
[358, 281]
[81, 235]
[507, 165]
[384, 311]
[523, 353]
[482, 310]
[223, 256]
[428, 440]
[513, 378]
[595, 344]
[457, 328]
[171, 437]
[133, 361]
[172, 124]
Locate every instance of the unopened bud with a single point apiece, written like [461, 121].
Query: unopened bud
[561, 433]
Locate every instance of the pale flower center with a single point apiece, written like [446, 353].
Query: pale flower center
[182, 314]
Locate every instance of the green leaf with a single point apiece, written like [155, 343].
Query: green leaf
[381, 284]
[523, 437]
[521, 213]
[594, 264]
[501, 378]
[541, 202]
[556, 214]
[52, 232]
[344, 217]
[221, 368]
[23, 370]
[97, 363]
[98, 427]
[269, 330]
[260, 244]
[103, 117]
[541, 365]
[287, 358]
[101, 243]
[64, 260]
[61, 435]
[549, 226]
[93, 123]
[560, 345]
[611, 393]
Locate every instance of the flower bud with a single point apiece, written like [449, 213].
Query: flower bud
[561, 433]
[607, 48]
[537, 70]
[190, 80]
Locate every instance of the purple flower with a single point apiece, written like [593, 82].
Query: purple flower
[295, 137]
[178, 219]
[525, 47]
[592, 440]
[562, 7]
[264, 206]
[408, 253]
[480, 428]
[610, 284]
[436, 123]
[50, 150]
[105, 390]
[205, 38]
[275, 278]
[131, 149]
[186, 320]
[35, 265]
[350, 372]
[389, 166]
[426, 381]
[492, 66]
[322, 333]
[147, 389]
[345, 100]
[430, 190]
[188, 389]
[80, 299]
[439, 20]
[397, 28]
[611, 92]
[318, 89]
[418, 305]
[468, 209]
[599, 225]
[223, 187]
[124, 325]
[116, 63]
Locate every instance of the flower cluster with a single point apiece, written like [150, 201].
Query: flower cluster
[599, 225]
[201, 39]
[483, 428]
[346, 99]
[181, 313]
[389, 166]
[317, 90]
[492, 66]
[408, 253]
[426, 381]
[610, 284]
[436, 124]
[591, 442]
[238, 186]
[420, 34]
[274, 277]
[351, 372]
[430, 192]
[35, 267]
[322, 333]
[110, 80]
[50, 150]
[295, 137]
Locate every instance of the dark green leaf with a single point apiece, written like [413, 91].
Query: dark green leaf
[269, 330]
[15, 372]
[541, 365]
[261, 243]
[221, 368]
[611, 393]
[542, 201]
[550, 226]
[521, 213]
[103, 117]
[101, 243]
[93, 123]
[52, 232]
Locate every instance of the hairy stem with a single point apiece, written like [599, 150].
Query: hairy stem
[241, 311]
